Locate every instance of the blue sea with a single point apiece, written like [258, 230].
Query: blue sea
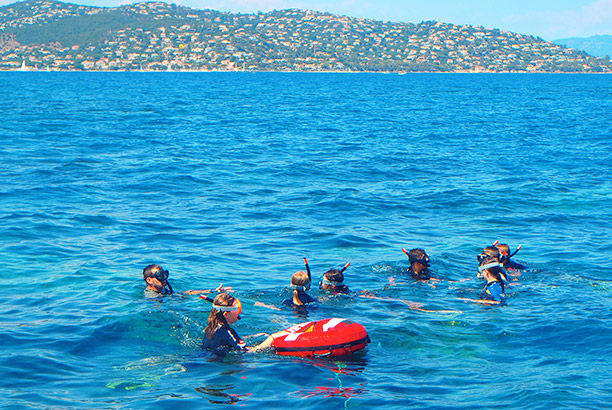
[233, 178]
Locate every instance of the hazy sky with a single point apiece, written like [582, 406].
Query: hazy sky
[549, 19]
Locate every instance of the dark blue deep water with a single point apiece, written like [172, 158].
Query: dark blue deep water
[234, 177]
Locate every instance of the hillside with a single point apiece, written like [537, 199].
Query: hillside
[600, 46]
[45, 34]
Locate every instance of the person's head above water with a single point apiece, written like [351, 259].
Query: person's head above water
[505, 256]
[156, 279]
[489, 251]
[419, 263]
[489, 268]
[504, 249]
[333, 280]
[300, 281]
[226, 310]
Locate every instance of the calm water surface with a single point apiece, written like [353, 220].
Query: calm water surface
[235, 177]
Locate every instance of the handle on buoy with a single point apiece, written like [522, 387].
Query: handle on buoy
[345, 266]
[316, 355]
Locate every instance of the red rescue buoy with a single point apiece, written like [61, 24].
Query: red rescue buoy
[328, 337]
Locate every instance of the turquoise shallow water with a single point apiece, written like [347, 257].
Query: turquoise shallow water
[234, 177]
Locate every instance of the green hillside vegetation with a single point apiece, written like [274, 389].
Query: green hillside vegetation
[88, 29]
[48, 34]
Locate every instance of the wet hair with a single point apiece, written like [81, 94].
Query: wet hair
[334, 275]
[216, 318]
[300, 278]
[503, 248]
[418, 255]
[150, 271]
[492, 251]
[496, 271]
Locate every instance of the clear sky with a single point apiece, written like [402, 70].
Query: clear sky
[549, 19]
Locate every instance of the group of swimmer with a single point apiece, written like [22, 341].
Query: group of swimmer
[494, 263]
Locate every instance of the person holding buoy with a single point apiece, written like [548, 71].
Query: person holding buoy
[219, 336]
[218, 333]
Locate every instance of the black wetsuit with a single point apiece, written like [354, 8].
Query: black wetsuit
[340, 289]
[423, 275]
[225, 338]
[511, 265]
[303, 296]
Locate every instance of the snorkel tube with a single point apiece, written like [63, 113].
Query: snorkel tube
[516, 251]
[345, 266]
[308, 270]
[505, 258]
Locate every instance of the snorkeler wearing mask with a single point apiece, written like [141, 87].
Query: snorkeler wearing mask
[219, 336]
[156, 280]
[419, 264]
[333, 280]
[494, 292]
[508, 263]
[491, 270]
[300, 284]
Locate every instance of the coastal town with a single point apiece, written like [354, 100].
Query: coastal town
[156, 36]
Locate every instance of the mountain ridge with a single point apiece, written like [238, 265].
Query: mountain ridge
[598, 45]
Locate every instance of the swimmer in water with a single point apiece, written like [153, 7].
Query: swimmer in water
[219, 336]
[333, 280]
[156, 281]
[508, 263]
[419, 264]
[495, 255]
[300, 283]
[493, 293]
[490, 251]
[419, 267]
